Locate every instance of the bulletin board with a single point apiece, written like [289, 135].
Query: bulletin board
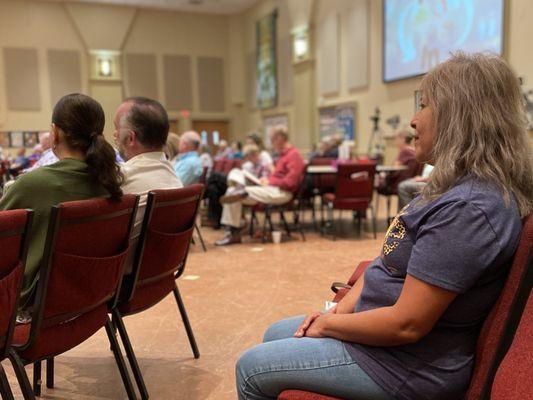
[338, 119]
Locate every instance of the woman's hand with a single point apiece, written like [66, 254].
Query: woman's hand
[306, 324]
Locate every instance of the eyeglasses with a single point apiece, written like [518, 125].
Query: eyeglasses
[418, 99]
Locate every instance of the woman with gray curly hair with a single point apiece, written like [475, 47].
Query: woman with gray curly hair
[408, 328]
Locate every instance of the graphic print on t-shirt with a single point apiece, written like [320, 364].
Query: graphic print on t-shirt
[395, 233]
[397, 246]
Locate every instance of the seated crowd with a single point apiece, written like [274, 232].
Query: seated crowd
[407, 329]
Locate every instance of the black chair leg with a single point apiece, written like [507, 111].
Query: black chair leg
[37, 378]
[22, 377]
[200, 236]
[5, 389]
[332, 220]
[298, 223]
[50, 373]
[128, 385]
[373, 221]
[263, 234]
[119, 324]
[285, 224]
[252, 221]
[186, 322]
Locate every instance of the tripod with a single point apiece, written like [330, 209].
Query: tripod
[375, 144]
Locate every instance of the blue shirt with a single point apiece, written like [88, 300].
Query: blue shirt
[463, 242]
[188, 167]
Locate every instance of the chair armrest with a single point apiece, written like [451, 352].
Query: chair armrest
[335, 286]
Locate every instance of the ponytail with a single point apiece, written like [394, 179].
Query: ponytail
[101, 160]
[82, 120]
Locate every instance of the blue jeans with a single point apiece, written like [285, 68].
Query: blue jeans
[283, 362]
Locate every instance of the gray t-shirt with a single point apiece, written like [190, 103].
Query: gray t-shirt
[462, 242]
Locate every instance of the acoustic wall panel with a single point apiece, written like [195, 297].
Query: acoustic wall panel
[22, 79]
[178, 85]
[211, 84]
[64, 70]
[141, 75]
[357, 45]
[328, 55]
[285, 70]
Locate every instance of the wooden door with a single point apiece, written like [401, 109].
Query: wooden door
[174, 125]
[212, 132]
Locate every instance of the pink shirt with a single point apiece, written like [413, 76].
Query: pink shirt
[289, 170]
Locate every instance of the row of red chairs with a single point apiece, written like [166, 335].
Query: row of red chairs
[81, 280]
[504, 354]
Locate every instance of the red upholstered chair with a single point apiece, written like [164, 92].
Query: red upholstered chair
[14, 225]
[353, 191]
[513, 377]
[497, 331]
[159, 260]
[218, 165]
[303, 395]
[323, 183]
[500, 324]
[227, 166]
[79, 279]
[237, 163]
[295, 205]
[340, 290]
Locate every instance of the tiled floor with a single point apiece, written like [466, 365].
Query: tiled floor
[232, 294]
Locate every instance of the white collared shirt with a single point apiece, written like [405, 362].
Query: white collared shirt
[145, 172]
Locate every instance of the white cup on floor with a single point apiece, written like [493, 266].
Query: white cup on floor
[276, 237]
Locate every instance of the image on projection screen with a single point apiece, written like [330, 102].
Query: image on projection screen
[419, 34]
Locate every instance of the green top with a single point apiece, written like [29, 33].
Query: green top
[39, 190]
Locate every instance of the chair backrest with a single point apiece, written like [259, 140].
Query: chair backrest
[227, 166]
[218, 165]
[166, 234]
[203, 177]
[355, 181]
[493, 340]
[14, 225]
[86, 246]
[321, 161]
[237, 163]
[513, 378]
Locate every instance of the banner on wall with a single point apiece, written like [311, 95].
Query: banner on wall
[337, 120]
[266, 63]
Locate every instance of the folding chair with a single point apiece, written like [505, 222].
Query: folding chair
[353, 191]
[160, 259]
[14, 228]
[79, 280]
[497, 331]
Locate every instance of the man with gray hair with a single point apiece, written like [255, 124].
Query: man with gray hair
[188, 166]
[276, 189]
[141, 129]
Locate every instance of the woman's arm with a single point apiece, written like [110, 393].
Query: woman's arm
[348, 302]
[415, 313]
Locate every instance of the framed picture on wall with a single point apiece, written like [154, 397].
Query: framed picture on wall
[16, 139]
[4, 139]
[31, 139]
[338, 120]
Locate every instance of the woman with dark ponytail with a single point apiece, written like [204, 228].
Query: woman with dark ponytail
[86, 169]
